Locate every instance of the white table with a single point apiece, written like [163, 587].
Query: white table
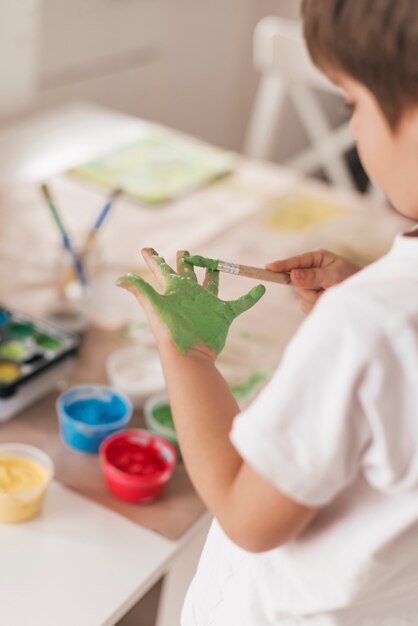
[81, 564]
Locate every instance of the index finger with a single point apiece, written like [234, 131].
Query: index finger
[306, 260]
[161, 270]
[185, 269]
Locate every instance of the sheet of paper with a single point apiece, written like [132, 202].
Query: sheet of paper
[300, 212]
[161, 166]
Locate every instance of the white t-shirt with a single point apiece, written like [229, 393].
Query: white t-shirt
[337, 427]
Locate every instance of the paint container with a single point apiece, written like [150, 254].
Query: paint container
[137, 372]
[88, 414]
[137, 465]
[25, 473]
[158, 418]
[35, 357]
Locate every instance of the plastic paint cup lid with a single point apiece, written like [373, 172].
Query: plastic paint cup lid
[23, 465]
[136, 371]
[94, 407]
[28, 453]
[137, 464]
[119, 451]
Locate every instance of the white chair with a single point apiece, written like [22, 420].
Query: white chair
[281, 56]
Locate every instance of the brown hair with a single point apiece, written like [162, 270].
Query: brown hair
[373, 41]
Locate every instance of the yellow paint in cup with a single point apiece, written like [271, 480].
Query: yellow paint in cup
[25, 473]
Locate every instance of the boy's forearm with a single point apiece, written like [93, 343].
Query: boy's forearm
[251, 511]
[203, 409]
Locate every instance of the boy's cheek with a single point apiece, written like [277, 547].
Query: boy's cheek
[374, 152]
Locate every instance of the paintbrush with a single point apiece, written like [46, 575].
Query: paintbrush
[91, 237]
[248, 271]
[78, 266]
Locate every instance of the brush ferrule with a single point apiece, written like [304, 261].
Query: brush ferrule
[230, 268]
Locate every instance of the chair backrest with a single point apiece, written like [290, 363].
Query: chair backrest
[280, 54]
[279, 47]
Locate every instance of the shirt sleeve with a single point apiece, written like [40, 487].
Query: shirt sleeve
[306, 431]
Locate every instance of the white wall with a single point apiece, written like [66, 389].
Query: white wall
[184, 63]
[18, 54]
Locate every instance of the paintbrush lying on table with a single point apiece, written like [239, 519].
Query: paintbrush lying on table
[239, 270]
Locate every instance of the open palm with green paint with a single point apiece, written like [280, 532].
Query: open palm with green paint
[194, 315]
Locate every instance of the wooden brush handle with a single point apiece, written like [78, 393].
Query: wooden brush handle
[261, 274]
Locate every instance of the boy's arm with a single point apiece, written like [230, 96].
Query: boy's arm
[251, 511]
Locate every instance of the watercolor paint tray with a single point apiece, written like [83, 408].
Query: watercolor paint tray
[34, 357]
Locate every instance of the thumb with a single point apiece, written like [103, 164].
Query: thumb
[138, 287]
[307, 278]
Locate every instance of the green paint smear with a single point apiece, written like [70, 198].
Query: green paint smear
[163, 415]
[47, 343]
[247, 334]
[13, 350]
[201, 261]
[195, 316]
[243, 390]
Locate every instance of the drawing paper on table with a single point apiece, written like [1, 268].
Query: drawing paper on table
[300, 212]
[163, 165]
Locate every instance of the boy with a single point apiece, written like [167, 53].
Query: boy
[314, 487]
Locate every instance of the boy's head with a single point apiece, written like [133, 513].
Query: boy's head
[370, 48]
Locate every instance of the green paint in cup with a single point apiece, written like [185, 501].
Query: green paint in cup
[162, 414]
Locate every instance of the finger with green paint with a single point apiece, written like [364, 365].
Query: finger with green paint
[193, 314]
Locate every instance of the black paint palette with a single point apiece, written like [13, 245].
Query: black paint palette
[33, 356]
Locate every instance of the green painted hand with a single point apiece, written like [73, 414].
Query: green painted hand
[193, 313]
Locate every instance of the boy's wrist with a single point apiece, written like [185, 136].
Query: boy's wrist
[170, 352]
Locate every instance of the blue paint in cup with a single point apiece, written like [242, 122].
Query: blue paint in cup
[88, 414]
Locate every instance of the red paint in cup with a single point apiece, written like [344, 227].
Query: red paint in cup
[137, 464]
